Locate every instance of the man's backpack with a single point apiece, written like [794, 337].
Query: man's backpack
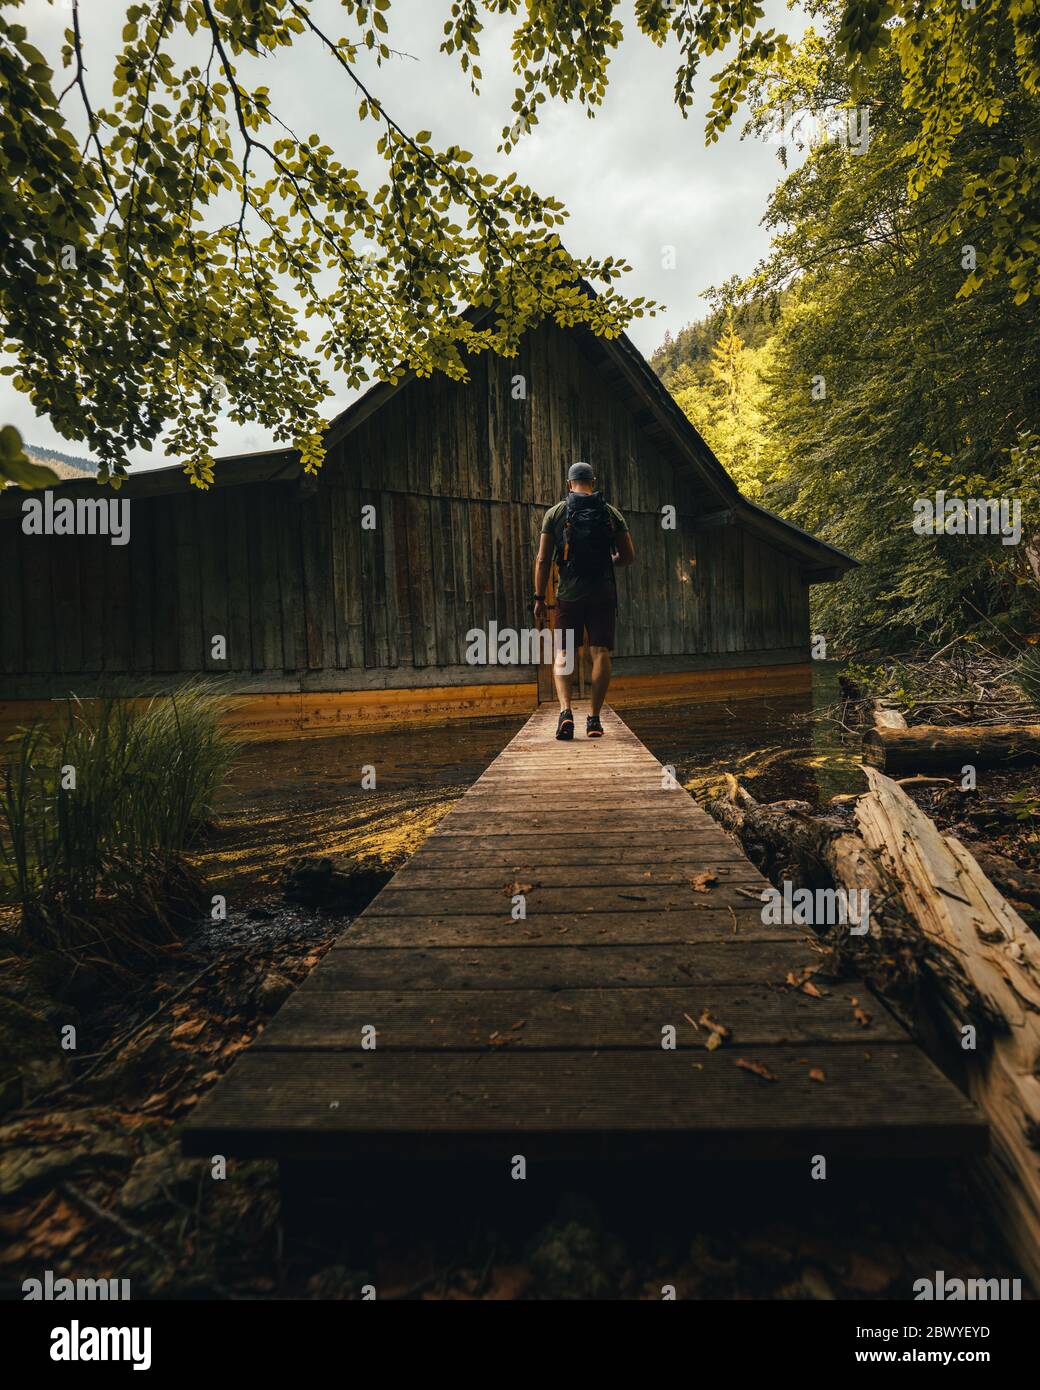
[588, 536]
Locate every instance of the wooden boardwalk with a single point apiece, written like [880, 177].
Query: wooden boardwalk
[543, 1036]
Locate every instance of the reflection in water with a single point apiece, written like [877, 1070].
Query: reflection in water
[773, 744]
[304, 797]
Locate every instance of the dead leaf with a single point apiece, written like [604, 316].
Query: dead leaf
[817, 1074]
[801, 979]
[718, 1031]
[758, 1068]
[187, 1030]
[520, 1023]
[703, 882]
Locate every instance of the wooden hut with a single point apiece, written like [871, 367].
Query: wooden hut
[346, 598]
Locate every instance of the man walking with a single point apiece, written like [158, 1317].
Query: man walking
[587, 538]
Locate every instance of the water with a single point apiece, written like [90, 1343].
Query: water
[772, 744]
[304, 797]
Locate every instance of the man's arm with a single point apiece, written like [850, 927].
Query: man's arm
[542, 569]
[624, 550]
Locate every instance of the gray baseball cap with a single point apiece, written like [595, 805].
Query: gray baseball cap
[580, 473]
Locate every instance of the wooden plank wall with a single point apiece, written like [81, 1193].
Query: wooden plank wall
[459, 476]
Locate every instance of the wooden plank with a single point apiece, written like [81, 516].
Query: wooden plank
[91, 558]
[426, 872]
[578, 1019]
[165, 588]
[611, 847]
[189, 597]
[117, 632]
[12, 618]
[534, 966]
[211, 517]
[265, 601]
[634, 1103]
[240, 653]
[143, 608]
[314, 555]
[66, 586]
[721, 924]
[290, 579]
[568, 900]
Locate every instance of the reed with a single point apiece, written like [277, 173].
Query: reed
[97, 810]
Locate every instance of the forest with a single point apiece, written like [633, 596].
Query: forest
[925, 362]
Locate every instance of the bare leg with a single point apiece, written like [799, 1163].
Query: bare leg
[563, 680]
[600, 677]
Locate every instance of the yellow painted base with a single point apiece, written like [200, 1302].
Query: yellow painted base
[726, 683]
[269, 717]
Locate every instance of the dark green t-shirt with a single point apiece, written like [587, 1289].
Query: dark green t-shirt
[577, 586]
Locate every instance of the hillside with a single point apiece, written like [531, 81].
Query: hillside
[65, 465]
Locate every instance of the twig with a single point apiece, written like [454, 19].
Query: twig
[117, 1045]
[131, 1232]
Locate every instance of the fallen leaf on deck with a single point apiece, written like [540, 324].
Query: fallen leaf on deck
[702, 883]
[718, 1031]
[800, 979]
[817, 1074]
[758, 1068]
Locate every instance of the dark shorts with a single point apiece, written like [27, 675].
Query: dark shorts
[596, 615]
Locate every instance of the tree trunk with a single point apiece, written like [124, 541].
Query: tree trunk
[960, 912]
[935, 748]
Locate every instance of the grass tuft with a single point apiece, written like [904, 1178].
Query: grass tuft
[97, 810]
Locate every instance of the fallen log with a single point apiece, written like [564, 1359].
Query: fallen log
[960, 912]
[934, 748]
[949, 954]
[894, 954]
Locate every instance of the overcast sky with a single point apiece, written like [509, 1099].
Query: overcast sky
[635, 179]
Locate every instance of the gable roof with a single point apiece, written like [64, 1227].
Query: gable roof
[655, 409]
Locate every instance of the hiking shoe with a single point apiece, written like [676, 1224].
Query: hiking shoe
[593, 728]
[565, 727]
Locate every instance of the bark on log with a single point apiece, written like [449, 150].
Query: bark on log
[932, 748]
[933, 906]
[960, 911]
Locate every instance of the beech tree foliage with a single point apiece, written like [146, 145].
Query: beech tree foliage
[167, 266]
